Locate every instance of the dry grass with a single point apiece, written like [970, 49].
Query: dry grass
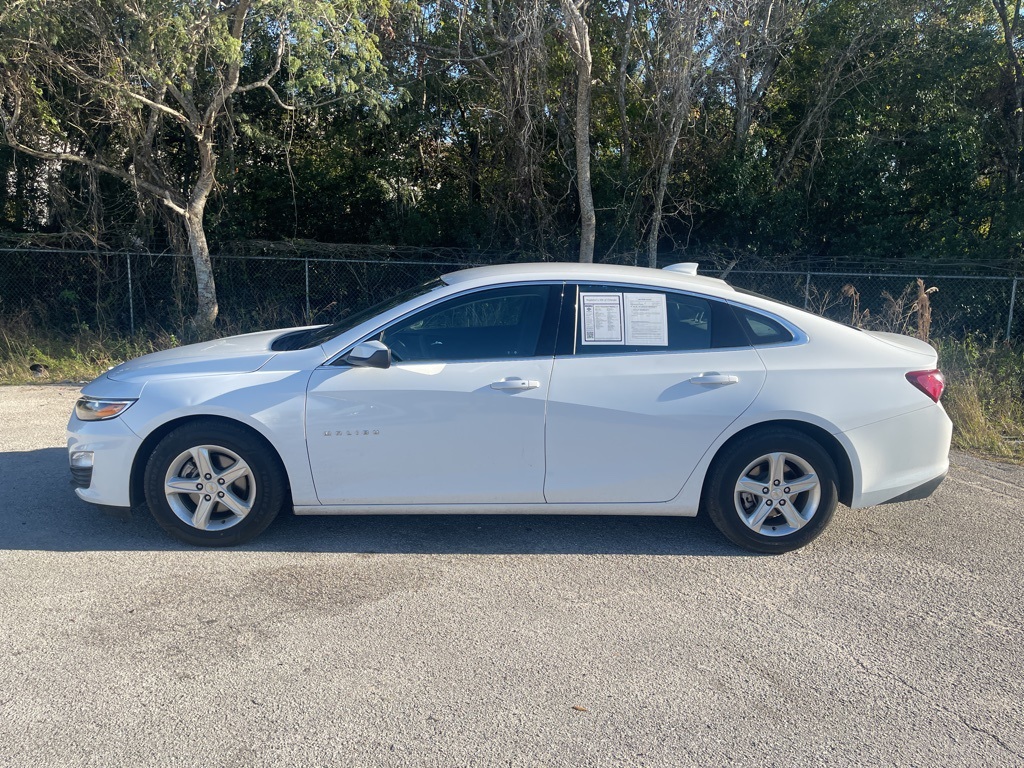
[28, 357]
[985, 396]
[984, 380]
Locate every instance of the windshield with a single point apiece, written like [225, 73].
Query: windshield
[318, 336]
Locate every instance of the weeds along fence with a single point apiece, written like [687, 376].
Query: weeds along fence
[954, 306]
[68, 292]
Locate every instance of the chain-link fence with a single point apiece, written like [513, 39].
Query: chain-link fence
[956, 305]
[68, 291]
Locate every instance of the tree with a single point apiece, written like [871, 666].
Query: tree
[755, 35]
[1010, 20]
[675, 60]
[498, 51]
[578, 33]
[142, 90]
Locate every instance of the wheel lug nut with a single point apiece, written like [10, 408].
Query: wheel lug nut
[210, 477]
[774, 483]
[220, 495]
[206, 497]
[764, 490]
[769, 502]
[782, 503]
[220, 481]
[785, 490]
[199, 486]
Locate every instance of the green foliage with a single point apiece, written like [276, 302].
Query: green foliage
[983, 396]
[146, 91]
[883, 132]
[75, 358]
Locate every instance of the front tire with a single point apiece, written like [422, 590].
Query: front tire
[772, 492]
[214, 484]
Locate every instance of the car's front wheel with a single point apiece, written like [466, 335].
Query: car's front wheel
[213, 484]
[772, 492]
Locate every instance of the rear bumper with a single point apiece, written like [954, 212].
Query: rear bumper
[900, 459]
[923, 491]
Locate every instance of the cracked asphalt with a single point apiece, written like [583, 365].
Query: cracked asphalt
[895, 639]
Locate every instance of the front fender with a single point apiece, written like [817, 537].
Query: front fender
[272, 403]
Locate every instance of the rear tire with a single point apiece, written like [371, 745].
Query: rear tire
[772, 492]
[214, 484]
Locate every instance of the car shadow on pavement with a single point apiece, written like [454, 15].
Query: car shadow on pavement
[41, 512]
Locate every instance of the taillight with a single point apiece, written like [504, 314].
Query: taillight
[930, 382]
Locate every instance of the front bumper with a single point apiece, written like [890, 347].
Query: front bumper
[81, 477]
[114, 446]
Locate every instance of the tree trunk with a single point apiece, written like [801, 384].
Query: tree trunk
[741, 123]
[206, 289]
[1009, 16]
[579, 39]
[654, 234]
[620, 89]
[474, 169]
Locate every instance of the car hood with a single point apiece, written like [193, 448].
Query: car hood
[234, 354]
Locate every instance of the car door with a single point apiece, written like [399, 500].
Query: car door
[649, 381]
[457, 418]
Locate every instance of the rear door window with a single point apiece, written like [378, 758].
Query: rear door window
[612, 319]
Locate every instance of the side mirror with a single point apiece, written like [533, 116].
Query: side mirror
[369, 354]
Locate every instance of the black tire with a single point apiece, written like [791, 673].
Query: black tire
[237, 497]
[748, 499]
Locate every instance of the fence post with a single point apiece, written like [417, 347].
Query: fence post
[308, 316]
[807, 291]
[131, 299]
[1013, 300]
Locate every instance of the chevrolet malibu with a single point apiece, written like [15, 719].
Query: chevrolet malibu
[530, 388]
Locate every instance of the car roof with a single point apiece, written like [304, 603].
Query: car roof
[587, 272]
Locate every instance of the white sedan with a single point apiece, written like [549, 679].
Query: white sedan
[529, 388]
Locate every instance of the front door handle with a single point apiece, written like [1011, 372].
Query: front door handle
[714, 379]
[514, 384]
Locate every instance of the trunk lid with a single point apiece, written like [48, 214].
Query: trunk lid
[909, 344]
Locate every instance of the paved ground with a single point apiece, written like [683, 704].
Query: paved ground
[895, 639]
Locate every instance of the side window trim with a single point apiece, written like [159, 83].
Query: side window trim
[568, 321]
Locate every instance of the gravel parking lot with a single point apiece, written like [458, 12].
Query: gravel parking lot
[895, 639]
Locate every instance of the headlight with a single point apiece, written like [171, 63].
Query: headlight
[94, 409]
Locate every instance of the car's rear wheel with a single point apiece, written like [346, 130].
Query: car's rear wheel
[772, 492]
[213, 484]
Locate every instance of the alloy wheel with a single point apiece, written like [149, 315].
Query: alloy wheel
[209, 487]
[777, 494]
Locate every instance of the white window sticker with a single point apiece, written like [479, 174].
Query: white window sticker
[646, 319]
[602, 318]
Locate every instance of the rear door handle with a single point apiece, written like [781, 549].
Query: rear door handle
[714, 379]
[514, 384]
